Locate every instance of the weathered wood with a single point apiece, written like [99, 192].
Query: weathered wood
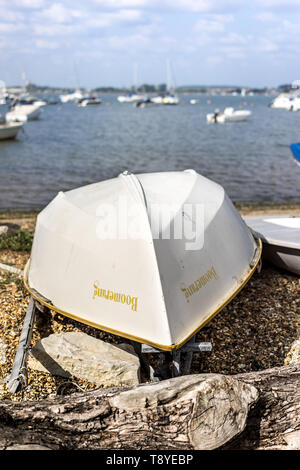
[205, 411]
[274, 423]
[191, 412]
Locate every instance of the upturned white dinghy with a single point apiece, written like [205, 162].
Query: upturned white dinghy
[281, 239]
[151, 257]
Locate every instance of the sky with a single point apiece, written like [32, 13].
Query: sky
[118, 42]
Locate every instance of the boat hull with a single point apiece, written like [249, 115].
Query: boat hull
[9, 131]
[236, 116]
[283, 257]
[152, 288]
[281, 240]
[24, 113]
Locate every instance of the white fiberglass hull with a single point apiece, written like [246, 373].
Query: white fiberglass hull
[282, 102]
[130, 98]
[71, 97]
[142, 283]
[236, 116]
[170, 100]
[83, 104]
[9, 130]
[157, 99]
[281, 239]
[23, 113]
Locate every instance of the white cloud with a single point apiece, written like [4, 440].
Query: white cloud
[214, 60]
[120, 4]
[267, 17]
[10, 27]
[42, 44]
[33, 4]
[285, 4]
[213, 23]
[59, 14]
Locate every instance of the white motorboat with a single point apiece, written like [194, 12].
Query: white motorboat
[71, 97]
[167, 98]
[280, 235]
[151, 257]
[295, 104]
[194, 101]
[9, 130]
[170, 99]
[283, 101]
[89, 101]
[23, 113]
[28, 99]
[228, 115]
[157, 99]
[130, 98]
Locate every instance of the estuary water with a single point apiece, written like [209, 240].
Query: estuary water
[71, 146]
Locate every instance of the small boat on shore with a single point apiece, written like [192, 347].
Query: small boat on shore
[281, 239]
[228, 115]
[107, 255]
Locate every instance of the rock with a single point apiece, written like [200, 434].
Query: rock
[293, 356]
[27, 447]
[8, 228]
[293, 440]
[3, 230]
[88, 358]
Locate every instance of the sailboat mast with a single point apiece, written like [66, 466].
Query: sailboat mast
[135, 77]
[76, 76]
[24, 82]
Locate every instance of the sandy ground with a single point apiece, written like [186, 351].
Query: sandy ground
[254, 332]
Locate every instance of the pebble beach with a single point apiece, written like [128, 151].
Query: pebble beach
[254, 332]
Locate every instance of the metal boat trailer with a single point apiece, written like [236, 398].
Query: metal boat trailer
[169, 363]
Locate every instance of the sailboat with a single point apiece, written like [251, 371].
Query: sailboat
[76, 95]
[169, 98]
[132, 96]
[3, 92]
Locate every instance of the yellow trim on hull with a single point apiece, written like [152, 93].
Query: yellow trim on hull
[172, 347]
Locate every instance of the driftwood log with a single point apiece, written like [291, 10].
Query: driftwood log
[248, 411]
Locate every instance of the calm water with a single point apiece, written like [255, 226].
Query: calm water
[72, 146]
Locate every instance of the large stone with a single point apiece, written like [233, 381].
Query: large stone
[80, 355]
[293, 356]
